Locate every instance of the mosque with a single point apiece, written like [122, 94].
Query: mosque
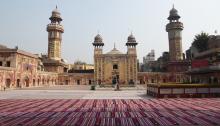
[115, 66]
[19, 69]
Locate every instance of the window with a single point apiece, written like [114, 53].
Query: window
[115, 66]
[90, 82]
[66, 82]
[152, 80]
[78, 82]
[8, 63]
[65, 69]
[0, 63]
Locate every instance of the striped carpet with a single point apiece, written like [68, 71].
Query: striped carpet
[118, 112]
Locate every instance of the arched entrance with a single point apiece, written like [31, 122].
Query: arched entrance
[115, 79]
[8, 83]
[38, 82]
[33, 82]
[18, 83]
[67, 81]
[26, 80]
[90, 82]
[78, 82]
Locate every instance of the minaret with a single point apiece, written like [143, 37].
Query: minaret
[98, 63]
[55, 30]
[174, 29]
[131, 45]
[98, 44]
[131, 62]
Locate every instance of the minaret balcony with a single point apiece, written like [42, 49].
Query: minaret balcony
[174, 25]
[53, 26]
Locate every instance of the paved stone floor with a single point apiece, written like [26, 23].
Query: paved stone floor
[74, 92]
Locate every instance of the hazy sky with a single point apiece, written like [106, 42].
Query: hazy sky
[23, 23]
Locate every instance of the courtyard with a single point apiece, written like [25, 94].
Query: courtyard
[79, 106]
[74, 92]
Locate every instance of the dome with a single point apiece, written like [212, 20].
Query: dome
[56, 14]
[55, 10]
[131, 39]
[114, 51]
[173, 11]
[98, 39]
[173, 14]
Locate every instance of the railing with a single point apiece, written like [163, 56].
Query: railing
[183, 90]
[53, 25]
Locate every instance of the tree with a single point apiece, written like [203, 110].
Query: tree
[201, 41]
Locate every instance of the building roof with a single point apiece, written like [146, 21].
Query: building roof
[206, 53]
[51, 62]
[4, 49]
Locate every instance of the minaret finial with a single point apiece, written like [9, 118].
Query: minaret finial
[114, 46]
[173, 5]
[56, 6]
[98, 31]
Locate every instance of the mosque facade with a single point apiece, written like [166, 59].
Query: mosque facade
[114, 66]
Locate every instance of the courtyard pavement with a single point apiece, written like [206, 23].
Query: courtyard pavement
[74, 92]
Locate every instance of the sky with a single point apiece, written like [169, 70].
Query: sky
[23, 24]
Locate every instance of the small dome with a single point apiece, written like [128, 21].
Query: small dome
[98, 39]
[114, 51]
[56, 10]
[131, 38]
[56, 14]
[173, 14]
[173, 11]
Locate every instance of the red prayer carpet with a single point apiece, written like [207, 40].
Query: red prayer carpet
[110, 112]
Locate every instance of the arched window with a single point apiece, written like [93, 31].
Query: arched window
[115, 66]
